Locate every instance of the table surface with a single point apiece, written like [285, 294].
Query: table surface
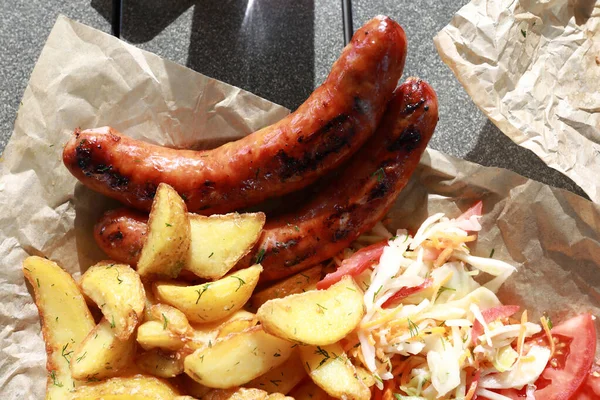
[278, 49]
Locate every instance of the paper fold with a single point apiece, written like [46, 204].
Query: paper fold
[533, 68]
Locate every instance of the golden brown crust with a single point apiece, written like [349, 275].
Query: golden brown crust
[120, 234]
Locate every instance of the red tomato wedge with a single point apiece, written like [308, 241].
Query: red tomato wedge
[591, 386]
[466, 222]
[489, 315]
[406, 291]
[577, 345]
[354, 265]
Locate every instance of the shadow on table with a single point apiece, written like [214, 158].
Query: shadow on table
[264, 46]
[495, 149]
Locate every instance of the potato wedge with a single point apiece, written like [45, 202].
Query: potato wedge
[218, 242]
[101, 354]
[365, 376]
[332, 371]
[65, 319]
[237, 358]
[171, 318]
[204, 333]
[210, 301]
[299, 283]
[308, 390]
[283, 378]
[242, 394]
[118, 291]
[317, 317]
[161, 364]
[237, 325]
[138, 387]
[167, 246]
[154, 334]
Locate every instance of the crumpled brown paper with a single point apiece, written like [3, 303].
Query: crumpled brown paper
[85, 78]
[533, 67]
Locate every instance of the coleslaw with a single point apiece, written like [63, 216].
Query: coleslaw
[433, 331]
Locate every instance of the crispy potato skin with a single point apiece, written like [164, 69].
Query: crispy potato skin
[349, 206]
[324, 132]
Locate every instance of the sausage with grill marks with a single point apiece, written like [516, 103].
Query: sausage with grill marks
[325, 131]
[349, 206]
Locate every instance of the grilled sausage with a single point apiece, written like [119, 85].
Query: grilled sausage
[325, 131]
[120, 234]
[360, 196]
[349, 206]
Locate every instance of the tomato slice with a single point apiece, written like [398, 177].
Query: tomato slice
[489, 315]
[573, 359]
[406, 291]
[466, 220]
[355, 264]
[591, 386]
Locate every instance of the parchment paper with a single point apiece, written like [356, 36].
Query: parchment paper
[533, 67]
[85, 78]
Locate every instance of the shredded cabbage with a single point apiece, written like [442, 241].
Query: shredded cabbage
[423, 337]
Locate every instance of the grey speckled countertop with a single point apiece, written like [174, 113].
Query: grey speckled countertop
[278, 49]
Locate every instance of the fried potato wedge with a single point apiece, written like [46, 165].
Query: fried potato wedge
[299, 283]
[167, 246]
[236, 325]
[218, 242]
[332, 371]
[161, 364]
[65, 319]
[138, 387]
[283, 378]
[237, 358]
[210, 301]
[154, 334]
[365, 376]
[173, 319]
[317, 317]
[204, 333]
[308, 390]
[101, 354]
[118, 291]
[243, 394]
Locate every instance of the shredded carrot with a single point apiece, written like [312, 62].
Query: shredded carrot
[377, 394]
[443, 257]
[448, 240]
[388, 390]
[471, 391]
[412, 363]
[544, 322]
[522, 332]
[386, 316]
[399, 366]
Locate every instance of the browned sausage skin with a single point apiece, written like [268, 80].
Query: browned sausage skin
[349, 206]
[325, 131]
[360, 196]
[120, 234]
